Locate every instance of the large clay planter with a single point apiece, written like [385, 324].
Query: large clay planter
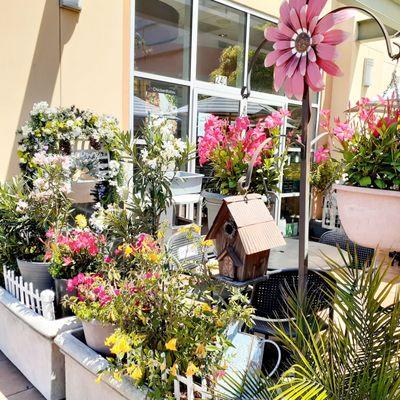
[96, 334]
[370, 217]
[37, 273]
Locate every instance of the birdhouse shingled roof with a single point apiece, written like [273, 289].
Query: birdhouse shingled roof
[256, 227]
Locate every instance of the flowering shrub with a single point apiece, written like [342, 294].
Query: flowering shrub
[154, 164]
[75, 250]
[52, 130]
[95, 297]
[228, 148]
[29, 207]
[369, 143]
[164, 330]
[325, 170]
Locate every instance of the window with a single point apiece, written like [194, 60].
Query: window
[221, 38]
[163, 99]
[162, 37]
[262, 79]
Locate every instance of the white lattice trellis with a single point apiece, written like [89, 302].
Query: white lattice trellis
[42, 303]
[330, 213]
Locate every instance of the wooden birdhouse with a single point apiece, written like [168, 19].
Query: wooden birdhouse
[244, 232]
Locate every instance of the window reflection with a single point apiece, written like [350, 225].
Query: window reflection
[261, 78]
[220, 45]
[162, 37]
[165, 100]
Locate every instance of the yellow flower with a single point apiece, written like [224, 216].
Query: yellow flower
[201, 351]
[174, 370]
[135, 372]
[171, 345]
[118, 376]
[205, 307]
[81, 221]
[121, 346]
[128, 250]
[207, 243]
[154, 258]
[191, 369]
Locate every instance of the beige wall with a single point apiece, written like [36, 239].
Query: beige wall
[64, 58]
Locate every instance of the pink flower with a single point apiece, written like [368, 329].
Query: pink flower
[107, 259]
[67, 261]
[284, 112]
[50, 233]
[70, 285]
[303, 44]
[343, 131]
[321, 155]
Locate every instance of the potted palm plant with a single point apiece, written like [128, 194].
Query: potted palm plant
[28, 208]
[228, 149]
[369, 199]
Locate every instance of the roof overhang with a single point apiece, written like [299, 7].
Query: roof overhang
[387, 11]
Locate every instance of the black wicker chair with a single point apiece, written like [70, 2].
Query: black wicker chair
[359, 254]
[269, 298]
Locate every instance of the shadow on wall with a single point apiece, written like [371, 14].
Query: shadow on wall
[45, 66]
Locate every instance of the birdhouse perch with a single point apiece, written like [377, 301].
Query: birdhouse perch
[244, 232]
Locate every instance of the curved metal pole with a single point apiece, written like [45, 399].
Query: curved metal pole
[381, 26]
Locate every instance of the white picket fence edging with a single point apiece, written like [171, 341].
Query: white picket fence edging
[191, 388]
[41, 303]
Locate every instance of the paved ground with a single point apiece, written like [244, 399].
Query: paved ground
[13, 385]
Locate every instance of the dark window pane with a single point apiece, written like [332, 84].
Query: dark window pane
[262, 79]
[162, 37]
[220, 44]
[165, 100]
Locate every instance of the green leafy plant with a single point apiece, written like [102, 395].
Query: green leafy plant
[154, 161]
[325, 174]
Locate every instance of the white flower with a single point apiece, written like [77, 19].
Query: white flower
[152, 163]
[144, 154]
[114, 167]
[40, 108]
[26, 130]
[21, 147]
[21, 206]
[69, 123]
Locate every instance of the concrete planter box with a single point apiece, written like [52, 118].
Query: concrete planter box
[82, 364]
[27, 339]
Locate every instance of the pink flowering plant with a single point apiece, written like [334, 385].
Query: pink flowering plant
[229, 147]
[369, 142]
[74, 250]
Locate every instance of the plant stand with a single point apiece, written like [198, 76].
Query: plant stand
[27, 339]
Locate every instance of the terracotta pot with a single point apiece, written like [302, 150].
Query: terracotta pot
[37, 273]
[370, 217]
[317, 204]
[96, 334]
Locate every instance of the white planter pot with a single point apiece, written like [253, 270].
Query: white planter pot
[82, 365]
[370, 217]
[37, 273]
[27, 339]
[186, 183]
[213, 203]
[96, 334]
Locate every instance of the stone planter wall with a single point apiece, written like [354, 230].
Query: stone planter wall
[27, 339]
[82, 365]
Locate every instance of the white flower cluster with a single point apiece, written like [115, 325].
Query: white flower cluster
[42, 159]
[165, 156]
[44, 109]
